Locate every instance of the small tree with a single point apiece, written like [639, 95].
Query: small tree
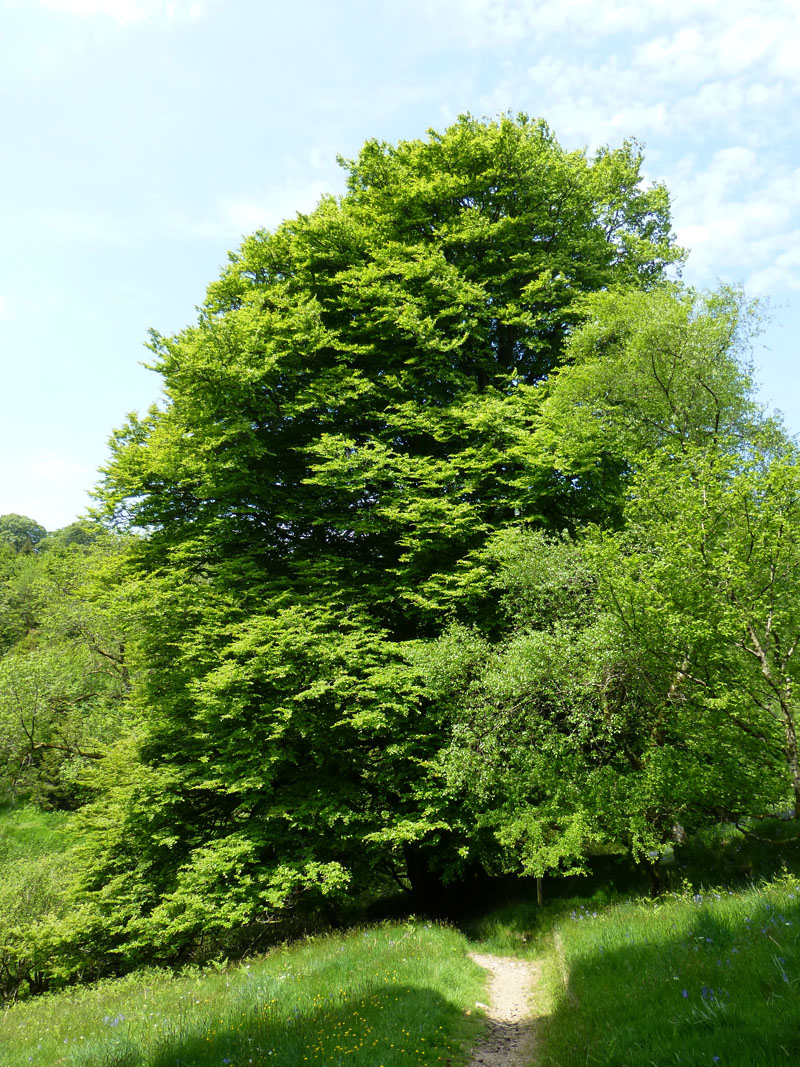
[643, 674]
[706, 584]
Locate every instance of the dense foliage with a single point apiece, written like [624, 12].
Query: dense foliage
[349, 420]
[64, 678]
[458, 545]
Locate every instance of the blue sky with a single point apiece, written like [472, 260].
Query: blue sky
[143, 138]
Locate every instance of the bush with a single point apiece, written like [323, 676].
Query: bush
[32, 899]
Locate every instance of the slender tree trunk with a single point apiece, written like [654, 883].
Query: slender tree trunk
[790, 748]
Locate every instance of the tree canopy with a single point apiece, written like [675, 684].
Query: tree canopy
[394, 581]
[354, 404]
[20, 532]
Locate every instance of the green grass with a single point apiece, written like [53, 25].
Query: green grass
[392, 995]
[35, 865]
[694, 978]
[27, 831]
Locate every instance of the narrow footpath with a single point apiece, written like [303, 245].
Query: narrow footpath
[510, 1040]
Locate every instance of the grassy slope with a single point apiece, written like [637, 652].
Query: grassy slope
[35, 865]
[391, 995]
[27, 831]
[711, 978]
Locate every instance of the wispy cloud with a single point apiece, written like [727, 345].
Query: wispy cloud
[719, 84]
[127, 11]
[272, 207]
[740, 219]
[231, 216]
[222, 222]
[730, 34]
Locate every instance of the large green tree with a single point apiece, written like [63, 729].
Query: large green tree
[345, 425]
[644, 674]
[353, 406]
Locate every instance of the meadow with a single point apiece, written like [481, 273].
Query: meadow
[700, 975]
[391, 995]
[694, 978]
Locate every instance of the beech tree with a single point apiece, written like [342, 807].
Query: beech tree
[346, 423]
[356, 398]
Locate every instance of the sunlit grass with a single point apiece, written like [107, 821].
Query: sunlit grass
[693, 978]
[28, 831]
[388, 995]
[700, 976]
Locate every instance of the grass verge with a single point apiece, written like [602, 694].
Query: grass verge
[26, 831]
[392, 995]
[693, 978]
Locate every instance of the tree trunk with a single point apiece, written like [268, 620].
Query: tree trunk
[790, 748]
[426, 885]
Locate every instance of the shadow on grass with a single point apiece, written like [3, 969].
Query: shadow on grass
[505, 916]
[723, 855]
[726, 992]
[393, 1026]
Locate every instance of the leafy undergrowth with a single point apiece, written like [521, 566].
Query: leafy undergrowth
[391, 995]
[35, 861]
[693, 978]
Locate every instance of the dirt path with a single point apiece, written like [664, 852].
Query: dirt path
[510, 1040]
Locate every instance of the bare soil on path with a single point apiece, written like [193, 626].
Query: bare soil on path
[510, 1040]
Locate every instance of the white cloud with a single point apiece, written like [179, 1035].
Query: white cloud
[223, 222]
[487, 23]
[782, 273]
[267, 211]
[739, 218]
[718, 83]
[126, 11]
[682, 30]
